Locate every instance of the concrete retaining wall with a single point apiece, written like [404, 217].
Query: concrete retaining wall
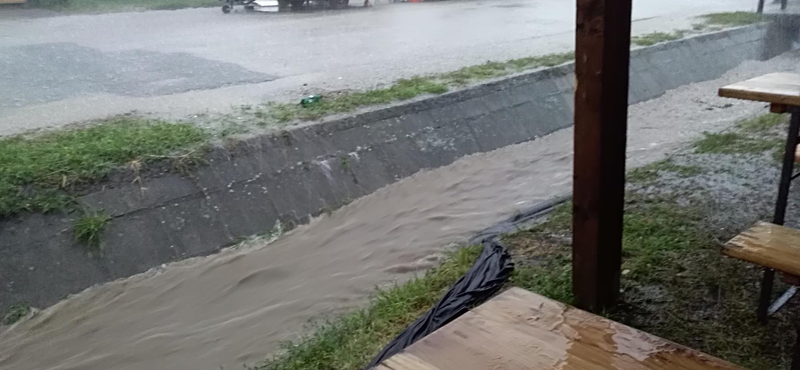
[308, 170]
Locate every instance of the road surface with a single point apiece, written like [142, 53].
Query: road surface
[56, 70]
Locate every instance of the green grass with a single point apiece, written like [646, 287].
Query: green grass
[89, 228]
[15, 312]
[656, 37]
[676, 283]
[109, 6]
[403, 89]
[350, 341]
[551, 278]
[763, 123]
[733, 18]
[38, 173]
[651, 171]
[734, 143]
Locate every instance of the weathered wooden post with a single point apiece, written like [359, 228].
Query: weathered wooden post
[602, 54]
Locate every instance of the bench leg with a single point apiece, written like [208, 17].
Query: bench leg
[796, 350]
[780, 208]
[766, 294]
[788, 167]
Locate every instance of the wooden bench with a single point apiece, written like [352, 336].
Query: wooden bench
[519, 329]
[782, 91]
[768, 245]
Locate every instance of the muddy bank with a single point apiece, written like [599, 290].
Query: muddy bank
[233, 308]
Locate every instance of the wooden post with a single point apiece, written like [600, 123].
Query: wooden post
[602, 54]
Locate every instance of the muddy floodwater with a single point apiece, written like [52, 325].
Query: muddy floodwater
[233, 308]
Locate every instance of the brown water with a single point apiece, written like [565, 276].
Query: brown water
[234, 307]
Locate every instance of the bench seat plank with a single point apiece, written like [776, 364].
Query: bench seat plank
[777, 88]
[768, 245]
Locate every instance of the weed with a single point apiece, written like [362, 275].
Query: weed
[89, 228]
[15, 312]
[733, 18]
[345, 163]
[656, 37]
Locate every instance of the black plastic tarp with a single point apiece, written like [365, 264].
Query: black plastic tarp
[483, 280]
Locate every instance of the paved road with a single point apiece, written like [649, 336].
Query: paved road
[60, 69]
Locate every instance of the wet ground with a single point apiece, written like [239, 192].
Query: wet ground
[56, 70]
[233, 308]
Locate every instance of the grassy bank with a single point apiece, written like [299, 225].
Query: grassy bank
[41, 172]
[675, 282]
[708, 22]
[404, 89]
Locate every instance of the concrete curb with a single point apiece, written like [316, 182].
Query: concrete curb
[303, 172]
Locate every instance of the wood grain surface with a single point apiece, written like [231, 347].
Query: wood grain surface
[777, 88]
[522, 330]
[768, 245]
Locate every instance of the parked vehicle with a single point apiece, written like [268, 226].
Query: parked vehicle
[281, 5]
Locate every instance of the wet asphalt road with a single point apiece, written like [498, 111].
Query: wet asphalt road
[56, 70]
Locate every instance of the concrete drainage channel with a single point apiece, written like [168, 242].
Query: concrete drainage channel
[309, 170]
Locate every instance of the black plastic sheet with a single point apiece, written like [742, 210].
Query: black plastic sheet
[486, 276]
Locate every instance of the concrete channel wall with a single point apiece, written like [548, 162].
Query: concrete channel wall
[309, 170]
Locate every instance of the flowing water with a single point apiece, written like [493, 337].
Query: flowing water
[234, 307]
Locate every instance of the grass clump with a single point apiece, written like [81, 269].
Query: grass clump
[552, 279]
[651, 171]
[36, 173]
[15, 312]
[656, 37]
[733, 18]
[351, 341]
[89, 228]
[401, 90]
[734, 143]
[762, 123]
[491, 69]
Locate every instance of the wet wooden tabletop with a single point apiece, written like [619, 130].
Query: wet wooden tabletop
[776, 88]
[522, 330]
[768, 245]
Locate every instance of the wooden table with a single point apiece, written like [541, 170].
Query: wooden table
[522, 330]
[782, 91]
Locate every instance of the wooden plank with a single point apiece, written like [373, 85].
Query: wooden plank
[769, 245]
[523, 330]
[777, 88]
[12, 1]
[602, 56]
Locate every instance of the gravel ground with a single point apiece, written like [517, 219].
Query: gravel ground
[57, 70]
